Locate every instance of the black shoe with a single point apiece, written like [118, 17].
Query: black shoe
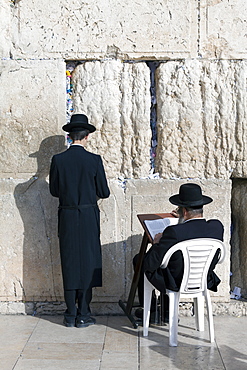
[139, 313]
[80, 323]
[68, 324]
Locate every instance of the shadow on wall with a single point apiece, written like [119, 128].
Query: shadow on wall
[118, 272]
[38, 209]
[239, 236]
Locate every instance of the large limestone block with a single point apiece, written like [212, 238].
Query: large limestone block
[111, 28]
[116, 98]
[223, 29]
[30, 262]
[113, 235]
[5, 29]
[11, 236]
[29, 230]
[41, 260]
[129, 30]
[201, 119]
[32, 107]
[152, 196]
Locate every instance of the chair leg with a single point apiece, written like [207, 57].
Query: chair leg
[173, 317]
[199, 312]
[210, 317]
[148, 288]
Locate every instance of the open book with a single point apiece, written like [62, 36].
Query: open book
[158, 226]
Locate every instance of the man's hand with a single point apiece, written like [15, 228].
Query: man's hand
[157, 238]
[175, 212]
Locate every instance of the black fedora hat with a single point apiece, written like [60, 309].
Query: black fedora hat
[190, 195]
[78, 122]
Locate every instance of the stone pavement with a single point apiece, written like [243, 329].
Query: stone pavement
[38, 343]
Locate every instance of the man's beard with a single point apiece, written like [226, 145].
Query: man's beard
[180, 214]
[180, 219]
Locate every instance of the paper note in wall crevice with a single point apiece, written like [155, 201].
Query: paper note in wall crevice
[236, 293]
[159, 225]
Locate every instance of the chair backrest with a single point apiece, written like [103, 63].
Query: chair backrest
[198, 255]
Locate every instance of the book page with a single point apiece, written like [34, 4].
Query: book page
[158, 226]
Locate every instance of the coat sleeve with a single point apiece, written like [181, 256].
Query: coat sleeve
[171, 277]
[102, 189]
[54, 179]
[155, 255]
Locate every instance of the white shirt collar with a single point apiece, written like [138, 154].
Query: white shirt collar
[77, 144]
[195, 218]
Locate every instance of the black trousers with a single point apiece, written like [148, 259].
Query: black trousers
[140, 289]
[77, 302]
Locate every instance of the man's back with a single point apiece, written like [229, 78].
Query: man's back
[198, 228]
[190, 229]
[78, 177]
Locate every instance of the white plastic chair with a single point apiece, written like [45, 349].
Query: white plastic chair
[198, 255]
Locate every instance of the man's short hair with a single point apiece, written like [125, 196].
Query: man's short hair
[78, 135]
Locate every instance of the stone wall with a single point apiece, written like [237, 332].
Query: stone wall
[96, 30]
[116, 97]
[201, 125]
[202, 118]
[31, 269]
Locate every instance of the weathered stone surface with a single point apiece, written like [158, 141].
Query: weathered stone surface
[116, 98]
[32, 108]
[223, 29]
[113, 235]
[129, 30]
[113, 29]
[201, 119]
[5, 29]
[10, 244]
[30, 261]
[235, 308]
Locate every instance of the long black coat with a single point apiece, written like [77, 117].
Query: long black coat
[77, 178]
[171, 277]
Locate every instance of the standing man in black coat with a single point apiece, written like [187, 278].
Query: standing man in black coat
[191, 225]
[77, 178]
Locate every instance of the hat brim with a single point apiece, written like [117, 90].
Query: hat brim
[174, 199]
[70, 127]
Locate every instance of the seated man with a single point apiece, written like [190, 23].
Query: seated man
[192, 225]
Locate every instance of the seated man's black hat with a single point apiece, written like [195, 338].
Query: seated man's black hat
[190, 195]
[78, 122]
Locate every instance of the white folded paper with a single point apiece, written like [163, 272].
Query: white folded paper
[236, 293]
